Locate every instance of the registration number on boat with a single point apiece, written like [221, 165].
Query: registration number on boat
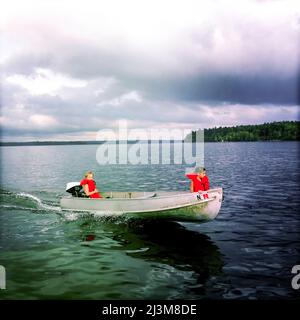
[202, 196]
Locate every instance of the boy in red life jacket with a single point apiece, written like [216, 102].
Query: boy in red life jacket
[199, 180]
[89, 186]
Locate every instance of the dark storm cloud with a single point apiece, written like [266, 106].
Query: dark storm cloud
[244, 89]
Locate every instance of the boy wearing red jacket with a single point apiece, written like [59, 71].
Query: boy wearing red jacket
[199, 180]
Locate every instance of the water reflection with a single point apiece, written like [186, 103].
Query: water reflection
[163, 242]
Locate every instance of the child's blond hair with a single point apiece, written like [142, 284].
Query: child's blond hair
[88, 173]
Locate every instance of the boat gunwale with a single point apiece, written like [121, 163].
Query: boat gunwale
[144, 198]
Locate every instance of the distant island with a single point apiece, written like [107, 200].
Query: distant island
[71, 142]
[274, 131]
[57, 143]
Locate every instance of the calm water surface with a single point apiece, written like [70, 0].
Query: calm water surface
[246, 253]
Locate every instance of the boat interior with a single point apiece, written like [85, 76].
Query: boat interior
[137, 194]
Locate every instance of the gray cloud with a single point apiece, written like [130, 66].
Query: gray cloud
[246, 89]
[155, 69]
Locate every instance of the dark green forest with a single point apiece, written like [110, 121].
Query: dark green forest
[282, 131]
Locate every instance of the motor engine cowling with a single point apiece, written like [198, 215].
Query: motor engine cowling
[75, 189]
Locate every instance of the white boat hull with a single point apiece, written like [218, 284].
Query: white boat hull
[178, 205]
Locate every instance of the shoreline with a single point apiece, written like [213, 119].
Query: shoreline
[64, 143]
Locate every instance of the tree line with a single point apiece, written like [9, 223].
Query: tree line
[280, 131]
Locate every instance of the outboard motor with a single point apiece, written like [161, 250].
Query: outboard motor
[75, 189]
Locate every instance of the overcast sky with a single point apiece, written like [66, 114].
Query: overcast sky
[71, 68]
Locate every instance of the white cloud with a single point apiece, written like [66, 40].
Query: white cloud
[45, 81]
[133, 96]
[42, 121]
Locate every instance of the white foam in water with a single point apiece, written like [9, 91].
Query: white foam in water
[97, 215]
[71, 216]
[105, 214]
[39, 201]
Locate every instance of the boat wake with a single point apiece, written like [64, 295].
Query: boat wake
[46, 203]
[25, 201]
[38, 201]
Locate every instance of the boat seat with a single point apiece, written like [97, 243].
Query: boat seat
[111, 196]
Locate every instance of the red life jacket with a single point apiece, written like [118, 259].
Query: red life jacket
[92, 186]
[199, 184]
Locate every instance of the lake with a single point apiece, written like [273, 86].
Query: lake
[246, 253]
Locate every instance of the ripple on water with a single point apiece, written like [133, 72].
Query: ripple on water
[246, 253]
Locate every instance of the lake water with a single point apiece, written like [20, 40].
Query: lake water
[246, 253]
